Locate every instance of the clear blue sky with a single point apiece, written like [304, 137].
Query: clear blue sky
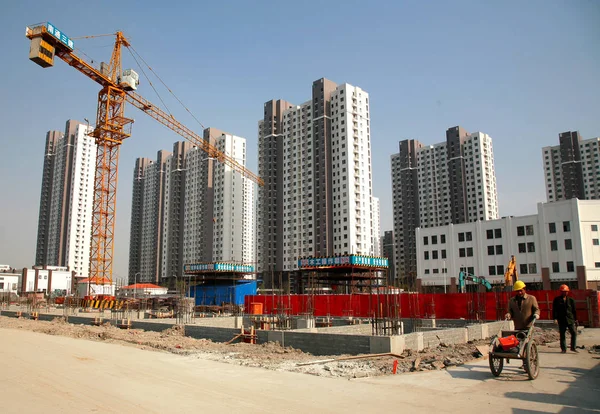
[519, 71]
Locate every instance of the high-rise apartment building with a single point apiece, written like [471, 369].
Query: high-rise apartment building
[387, 247]
[137, 211]
[41, 251]
[152, 219]
[270, 196]
[66, 203]
[375, 230]
[315, 159]
[192, 209]
[450, 182]
[233, 228]
[198, 209]
[173, 211]
[572, 168]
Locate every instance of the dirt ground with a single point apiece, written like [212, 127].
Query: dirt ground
[269, 356]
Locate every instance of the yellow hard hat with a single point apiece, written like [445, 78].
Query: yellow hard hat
[519, 285]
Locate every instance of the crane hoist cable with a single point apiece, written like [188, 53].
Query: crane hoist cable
[149, 81]
[132, 49]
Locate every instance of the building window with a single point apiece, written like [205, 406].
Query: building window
[570, 267]
[529, 230]
[500, 269]
[568, 244]
[444, 254]
[433, 239]
[499, 249]
[426, 271]
[595, 242]
[490, 234]
[522, 248]
[425, 240]
[498, 233]
[597, 265]
[555, 267]
[434, 254]
[490, 250]
[552, 227]
[469, 236]
[471, 270]
[426, 254]
[594, 227]
[492, 270]
[523, 269]
[521, 231]
[443, 238]
[532, 268]
[462, 252]
[469, 252]
[461, 237]
[566, 226]
[531, 247]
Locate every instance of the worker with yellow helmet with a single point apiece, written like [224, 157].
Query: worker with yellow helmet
[523, 309]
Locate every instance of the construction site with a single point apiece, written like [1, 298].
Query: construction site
[340, 308]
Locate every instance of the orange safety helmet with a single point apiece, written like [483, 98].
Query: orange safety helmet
[564, 288]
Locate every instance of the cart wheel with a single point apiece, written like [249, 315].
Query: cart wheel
[532, 362]
[496, 365]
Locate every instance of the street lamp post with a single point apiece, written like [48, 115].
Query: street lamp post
[135, 283]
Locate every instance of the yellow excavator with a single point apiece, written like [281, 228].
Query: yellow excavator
[511, 275]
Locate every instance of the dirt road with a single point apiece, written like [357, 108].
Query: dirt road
[60, 374]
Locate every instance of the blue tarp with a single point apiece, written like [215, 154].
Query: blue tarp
[211, 294]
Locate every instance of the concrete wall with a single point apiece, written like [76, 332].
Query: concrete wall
[208, 332]
[322, 343]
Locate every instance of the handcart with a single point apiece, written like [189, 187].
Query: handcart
[515, 345]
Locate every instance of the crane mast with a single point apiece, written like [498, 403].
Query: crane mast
[112, 128]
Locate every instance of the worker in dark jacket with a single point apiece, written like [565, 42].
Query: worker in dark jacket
[523, 309]
[565, 316]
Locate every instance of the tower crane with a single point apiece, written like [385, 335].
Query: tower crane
[112, 128]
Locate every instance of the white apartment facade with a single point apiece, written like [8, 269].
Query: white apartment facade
[376, 230]
[480, 181]
[197, 231]
[149, 242]
[164, 241]
[327, 190]
[233, 229]
[71, 200]
[572, 169]
[436, 185]
[560, 244]
[249, 224]
[79, 227]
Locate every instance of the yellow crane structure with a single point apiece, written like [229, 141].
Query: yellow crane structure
[511, 275]
[111, 129]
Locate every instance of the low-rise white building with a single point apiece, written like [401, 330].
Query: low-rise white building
[95, 286]
[9, 283]
[143, 289]
[48, 279]
[560, 244]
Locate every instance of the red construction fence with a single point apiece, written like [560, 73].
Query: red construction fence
[474, 306]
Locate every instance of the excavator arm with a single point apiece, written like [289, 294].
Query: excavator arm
[480, 280]
[511, 275]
